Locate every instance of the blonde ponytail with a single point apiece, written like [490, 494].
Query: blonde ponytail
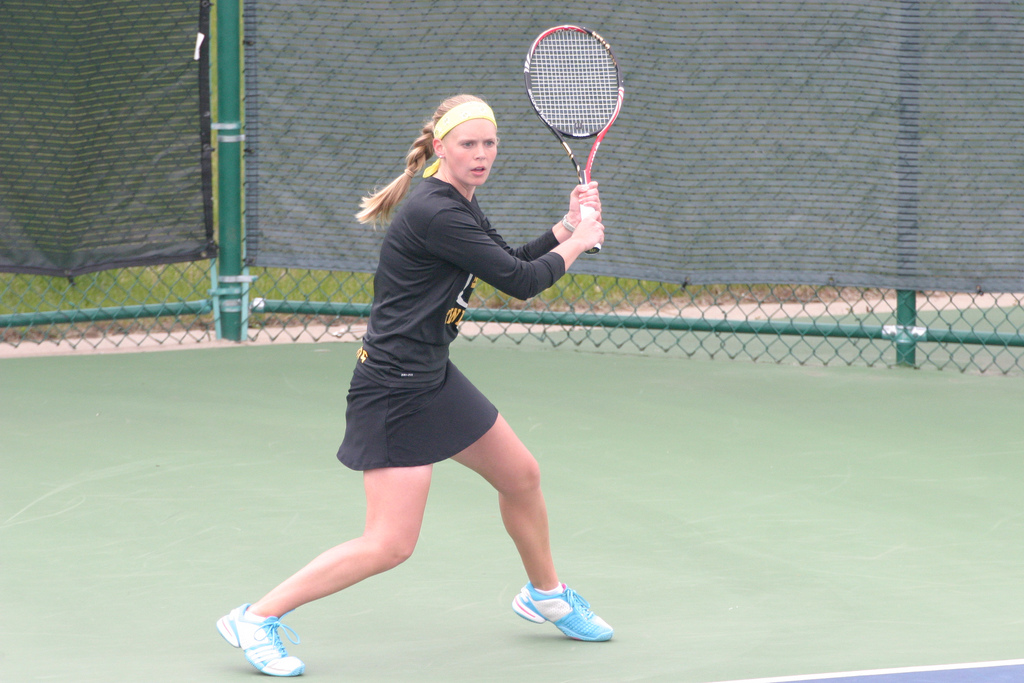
[378, 207]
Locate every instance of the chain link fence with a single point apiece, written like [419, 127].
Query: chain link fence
[807, 325]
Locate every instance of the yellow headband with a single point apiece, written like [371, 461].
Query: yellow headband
[456, 115]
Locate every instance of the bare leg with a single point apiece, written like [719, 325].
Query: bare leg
[502, 459]
[395, 500]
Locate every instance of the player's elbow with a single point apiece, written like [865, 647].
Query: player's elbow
[526, 285]
[520, 294]
[524, 293]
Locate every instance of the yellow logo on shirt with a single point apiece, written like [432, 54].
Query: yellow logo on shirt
[454, 316]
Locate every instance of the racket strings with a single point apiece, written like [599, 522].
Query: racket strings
[574, 82]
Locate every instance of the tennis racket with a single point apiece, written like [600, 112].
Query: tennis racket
[575, 86]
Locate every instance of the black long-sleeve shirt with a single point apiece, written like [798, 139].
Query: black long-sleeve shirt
[435, 249]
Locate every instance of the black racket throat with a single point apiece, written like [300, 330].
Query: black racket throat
[572, 157]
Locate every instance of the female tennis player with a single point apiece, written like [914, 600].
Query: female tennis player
[410, 407]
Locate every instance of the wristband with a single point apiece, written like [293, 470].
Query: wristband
[567, 225]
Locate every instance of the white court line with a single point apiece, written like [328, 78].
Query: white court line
[882, 672]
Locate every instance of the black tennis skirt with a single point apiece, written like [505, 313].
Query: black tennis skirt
[388, 426]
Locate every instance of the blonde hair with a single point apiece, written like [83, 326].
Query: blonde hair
[378, 207]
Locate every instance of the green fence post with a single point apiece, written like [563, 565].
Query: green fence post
[907, 331]
[908, 142]
[231, 285]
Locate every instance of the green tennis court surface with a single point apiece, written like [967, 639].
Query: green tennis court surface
[732, 521]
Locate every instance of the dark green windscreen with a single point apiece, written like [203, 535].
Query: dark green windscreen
[875, 143]
[104, 115]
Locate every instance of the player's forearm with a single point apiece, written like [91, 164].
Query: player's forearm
[560, 232]
[570, 250]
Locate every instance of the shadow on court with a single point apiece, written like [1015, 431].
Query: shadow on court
[732, 521]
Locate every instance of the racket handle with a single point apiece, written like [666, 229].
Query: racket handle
[585, 211]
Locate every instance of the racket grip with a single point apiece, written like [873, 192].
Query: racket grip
[585, 211]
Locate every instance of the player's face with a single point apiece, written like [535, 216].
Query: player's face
[468, 151]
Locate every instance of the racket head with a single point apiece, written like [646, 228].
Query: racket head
[573, 81]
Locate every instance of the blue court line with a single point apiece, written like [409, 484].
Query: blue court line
[1009, 671]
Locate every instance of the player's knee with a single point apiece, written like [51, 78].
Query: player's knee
[531, 475]
[395, 551]
[526, 479]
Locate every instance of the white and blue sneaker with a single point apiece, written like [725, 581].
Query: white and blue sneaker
[258, 637]
[566, 610]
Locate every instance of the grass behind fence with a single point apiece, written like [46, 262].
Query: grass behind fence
[188, 282]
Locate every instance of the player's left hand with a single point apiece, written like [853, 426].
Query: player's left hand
[583, 195]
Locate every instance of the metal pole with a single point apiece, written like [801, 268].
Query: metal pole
[907, 332]
[908, 140]
[229, 288]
